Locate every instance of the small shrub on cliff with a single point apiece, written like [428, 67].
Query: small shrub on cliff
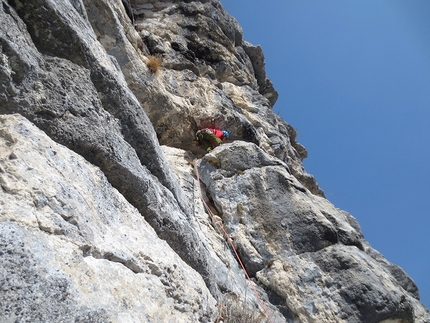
[153, 63]
[233, 311]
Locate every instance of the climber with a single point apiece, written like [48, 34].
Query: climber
[209, 138]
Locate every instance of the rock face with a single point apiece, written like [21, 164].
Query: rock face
[74, 250]
[101, 218]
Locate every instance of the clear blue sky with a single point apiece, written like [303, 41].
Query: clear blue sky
[354, 80]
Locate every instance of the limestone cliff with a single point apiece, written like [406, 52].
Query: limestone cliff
[101, 218]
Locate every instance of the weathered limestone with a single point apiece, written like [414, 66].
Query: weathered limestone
[91, 110]
[299, 245]
[74, 250]
[99, 223]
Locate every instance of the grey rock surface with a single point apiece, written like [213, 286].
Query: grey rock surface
[99, 223]
[91, 110]
[74, 250]
[299, 245]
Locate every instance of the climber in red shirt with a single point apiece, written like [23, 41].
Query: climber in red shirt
[209, 138]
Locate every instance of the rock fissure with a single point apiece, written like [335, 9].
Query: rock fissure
[127, 262]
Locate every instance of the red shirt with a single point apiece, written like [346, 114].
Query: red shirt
[218, 133]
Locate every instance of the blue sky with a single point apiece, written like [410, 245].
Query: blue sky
[354, 80]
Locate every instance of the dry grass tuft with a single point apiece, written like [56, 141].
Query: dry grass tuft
[154, 63]
[234, 311]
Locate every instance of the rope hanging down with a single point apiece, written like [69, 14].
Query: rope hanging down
[230, 242]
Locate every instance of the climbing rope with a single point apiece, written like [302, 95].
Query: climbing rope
[230, 242]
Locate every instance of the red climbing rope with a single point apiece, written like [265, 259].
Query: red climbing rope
[231, 245]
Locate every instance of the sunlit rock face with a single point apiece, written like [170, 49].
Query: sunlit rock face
[101, 213]
[73, 248]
